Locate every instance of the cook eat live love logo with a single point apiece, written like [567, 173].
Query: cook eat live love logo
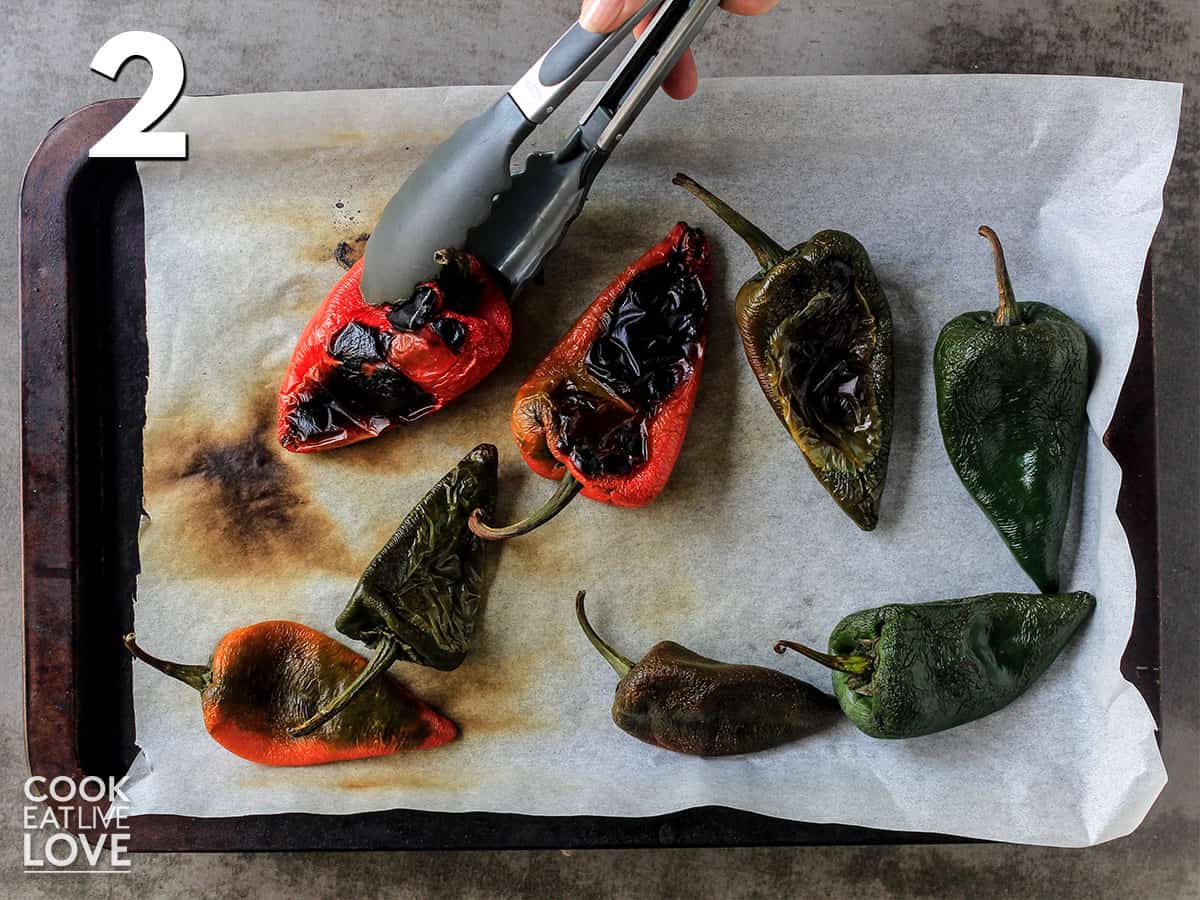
[81, 825]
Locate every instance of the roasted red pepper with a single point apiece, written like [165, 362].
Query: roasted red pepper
[359, 370]
[607, 410]
[266, 678]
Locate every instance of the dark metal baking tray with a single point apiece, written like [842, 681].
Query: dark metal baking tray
[83, 382]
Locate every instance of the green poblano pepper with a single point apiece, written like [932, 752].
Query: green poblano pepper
[419, 598]
[905, 670]
[817, 331]
[1011, 398]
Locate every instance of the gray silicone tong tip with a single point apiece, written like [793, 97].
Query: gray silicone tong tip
[464, 194]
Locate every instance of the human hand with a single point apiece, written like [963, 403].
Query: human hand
[604, 16]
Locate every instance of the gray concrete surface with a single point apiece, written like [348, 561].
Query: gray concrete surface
[259, 45]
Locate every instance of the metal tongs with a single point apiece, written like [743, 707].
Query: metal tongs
[464, 195]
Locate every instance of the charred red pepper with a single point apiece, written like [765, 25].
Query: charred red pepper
[266, 678]
[359, 370]
[607, 410]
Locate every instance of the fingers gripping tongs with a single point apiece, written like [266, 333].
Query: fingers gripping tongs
[464, 196]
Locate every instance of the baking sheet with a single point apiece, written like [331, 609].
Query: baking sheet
[744, 546]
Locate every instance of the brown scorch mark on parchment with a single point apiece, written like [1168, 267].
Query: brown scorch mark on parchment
[398, 778]
[327, 231]
[250, 484]
[225, 502]
[492, 692]
[344, 246]
[396, 773]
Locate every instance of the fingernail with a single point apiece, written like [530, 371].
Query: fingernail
[600, 15]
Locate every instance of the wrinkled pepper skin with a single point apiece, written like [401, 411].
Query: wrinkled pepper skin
[423, 590]
[782, 298]
[933, 666]
[359, 370]
[682, 701]
[419, 598]
[536, 420]
[1011, 402]
[816, 327]
[264, 678]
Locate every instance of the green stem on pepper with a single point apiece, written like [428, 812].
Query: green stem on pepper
[764, 246]
[198, 677]
[567, 488]
[619, 663]
[851, 665]
[380, 662]
[1008, 313]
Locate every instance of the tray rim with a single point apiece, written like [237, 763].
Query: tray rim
[50, 580]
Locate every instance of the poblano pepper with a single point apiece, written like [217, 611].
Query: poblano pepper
[905, 670]
[420, 596]
[817, 330]
[264, 677]
[1011, 396]
[688, 703]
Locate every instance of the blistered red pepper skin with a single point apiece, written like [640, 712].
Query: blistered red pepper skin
[420, 355]
[533, 422]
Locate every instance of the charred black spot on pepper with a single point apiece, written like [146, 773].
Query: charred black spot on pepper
[823, 358]
[314, 417]
[600, 437]
[352, 399]
[383, 391]
[414, 312]
[349, 252]
[357, 344]
[648, 344]
[452, 332]
[460, 292]
[650, 336]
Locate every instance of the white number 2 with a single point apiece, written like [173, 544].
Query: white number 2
[129, 138]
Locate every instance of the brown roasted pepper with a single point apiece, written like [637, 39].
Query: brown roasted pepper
[682, 701]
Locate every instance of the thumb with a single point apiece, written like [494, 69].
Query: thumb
[603, 16]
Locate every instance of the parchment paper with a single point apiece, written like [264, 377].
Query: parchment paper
[743, 547]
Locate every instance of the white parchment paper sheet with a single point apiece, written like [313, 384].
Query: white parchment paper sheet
[744, 546]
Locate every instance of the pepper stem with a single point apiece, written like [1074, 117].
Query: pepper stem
[620, 664]
[198, 677]
[449, 256]
[768, 252]
[851, 665]
[563, 494]
[383, 658]
[1008, 313]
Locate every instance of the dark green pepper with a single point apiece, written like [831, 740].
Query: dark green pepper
[905, 670]
[685, 702]
[817, 330]
[1011, 398]
[419, 598]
